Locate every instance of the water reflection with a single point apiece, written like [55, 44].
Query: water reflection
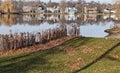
[86, 25]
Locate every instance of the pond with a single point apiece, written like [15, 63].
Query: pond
[86, 25]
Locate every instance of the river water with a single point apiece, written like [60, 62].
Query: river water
[87, 25]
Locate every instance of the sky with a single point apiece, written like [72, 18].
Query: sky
[102, 1]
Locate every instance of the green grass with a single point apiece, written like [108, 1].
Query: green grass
[67, 58]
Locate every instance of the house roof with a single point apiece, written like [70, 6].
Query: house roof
[34, 4]
[52, 4]
[70, 4]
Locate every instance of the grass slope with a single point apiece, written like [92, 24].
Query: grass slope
[71, 57]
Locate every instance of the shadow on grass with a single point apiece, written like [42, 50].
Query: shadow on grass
[77, 42]
[10, 59]
[27, 62]
[30, 61]
[97, 59]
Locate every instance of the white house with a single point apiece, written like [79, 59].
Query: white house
[27, 8]
[53, 7]
[70, 10]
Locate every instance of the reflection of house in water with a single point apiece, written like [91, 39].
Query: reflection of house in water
[34, 19]
[112, 16]
[115, 17]
[90, 17]
[27, 18]
[70, 17]
[53, 18]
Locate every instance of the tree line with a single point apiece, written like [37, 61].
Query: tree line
[17, 5]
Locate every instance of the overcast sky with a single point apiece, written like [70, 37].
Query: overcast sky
[103, 1]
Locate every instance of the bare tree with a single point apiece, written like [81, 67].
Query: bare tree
[63, 6]
[7, 6]
[116, 5]
[80, 5]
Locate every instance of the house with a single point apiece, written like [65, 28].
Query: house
[53, 7]
[70, 10]
[90, 10]
[109, 11]
[39, 7]
[106, 11]
[27, 8]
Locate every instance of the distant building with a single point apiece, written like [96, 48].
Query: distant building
[40, 9]
[71, 10]
[109, 11]
[27, 9]
[89, 10]
[53, 7]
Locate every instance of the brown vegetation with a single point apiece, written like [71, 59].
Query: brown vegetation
[17, 41]
[38, 47]
[7, 6]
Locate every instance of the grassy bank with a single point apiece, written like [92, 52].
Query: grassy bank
[84, 55]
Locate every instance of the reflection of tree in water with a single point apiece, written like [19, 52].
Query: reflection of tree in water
[80, 20]
[74, 30]
[10, 20]
[7, 20]
[99, 19]
[62, 21]
[7, 6]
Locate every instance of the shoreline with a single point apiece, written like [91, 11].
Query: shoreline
[24, 13]
[113, 30]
